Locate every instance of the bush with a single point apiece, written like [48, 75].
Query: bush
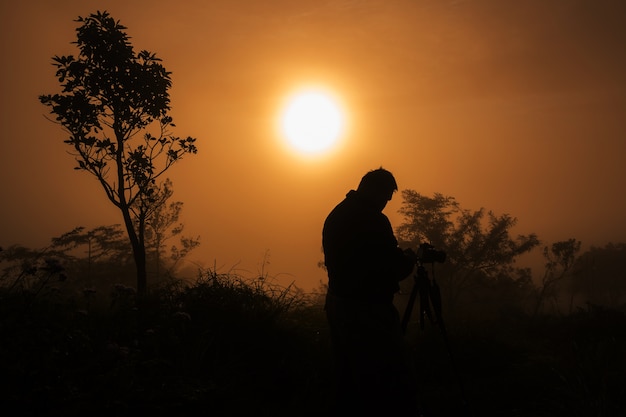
[206, 345]
[225, 345]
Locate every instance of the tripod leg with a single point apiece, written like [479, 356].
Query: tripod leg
[409, 308]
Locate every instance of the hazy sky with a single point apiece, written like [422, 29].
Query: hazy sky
[515, 106]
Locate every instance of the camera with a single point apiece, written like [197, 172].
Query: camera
[427, 254]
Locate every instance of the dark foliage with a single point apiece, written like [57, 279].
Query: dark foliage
[229, 346]
[567, 366]
[205, 347]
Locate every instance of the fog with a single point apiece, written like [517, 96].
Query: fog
[517, 107]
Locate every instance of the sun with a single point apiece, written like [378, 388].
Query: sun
[312, 121]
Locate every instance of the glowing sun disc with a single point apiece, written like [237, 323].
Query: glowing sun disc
[312, 121]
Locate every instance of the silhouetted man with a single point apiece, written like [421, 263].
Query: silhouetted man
[365, 264]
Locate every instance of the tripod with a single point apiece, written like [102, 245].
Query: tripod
[430, 302]
[430, 295]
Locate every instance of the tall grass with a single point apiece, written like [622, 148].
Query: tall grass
[223, 345]
[227, 345]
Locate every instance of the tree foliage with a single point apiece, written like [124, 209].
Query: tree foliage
[164, 224]
[114, 105]
[29, 271]
[560, 258]
[87, 260]
[599, 275]
[478, 243]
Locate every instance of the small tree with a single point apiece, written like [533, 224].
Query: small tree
[560, 258]
[599, 275]
[110, 95]
[90, 255]
[162, 225]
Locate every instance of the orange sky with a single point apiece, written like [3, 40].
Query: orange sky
[518, 107]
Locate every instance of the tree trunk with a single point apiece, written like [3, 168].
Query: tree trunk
[142, 275]
[139, 254]
[136, 239]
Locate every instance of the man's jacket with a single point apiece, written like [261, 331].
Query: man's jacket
[361, 253]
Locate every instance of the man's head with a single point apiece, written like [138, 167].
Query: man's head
[378, 187]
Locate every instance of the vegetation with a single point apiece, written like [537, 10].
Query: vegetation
[79, 339]
[599, 276]
[111, 100]
[480, 251]
[221, 344]
[224, 344]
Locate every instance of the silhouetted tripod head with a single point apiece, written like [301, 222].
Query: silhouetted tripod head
[427, 254]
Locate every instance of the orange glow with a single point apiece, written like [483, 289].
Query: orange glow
[482, 101]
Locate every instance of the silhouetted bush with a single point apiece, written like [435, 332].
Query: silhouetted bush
[226, 345]
[187, 347]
